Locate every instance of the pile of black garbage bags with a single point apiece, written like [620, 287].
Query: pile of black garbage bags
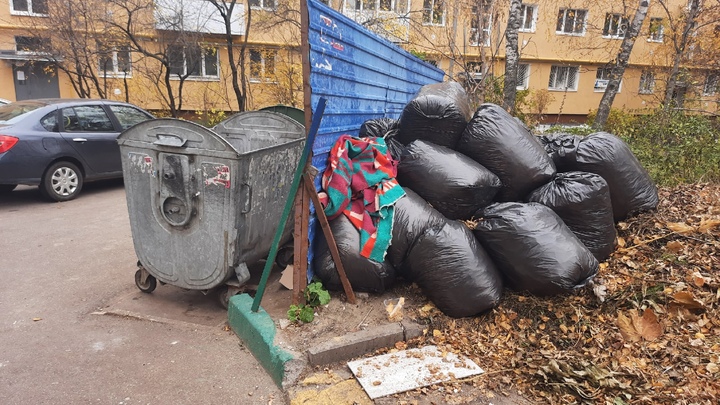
[490, 205]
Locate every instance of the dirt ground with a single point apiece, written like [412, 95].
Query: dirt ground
[338, 317]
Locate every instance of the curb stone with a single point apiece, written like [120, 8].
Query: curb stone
[258, 333]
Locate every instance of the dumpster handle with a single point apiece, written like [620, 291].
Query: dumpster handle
[170, 140]
[314, 126]
[248, 201]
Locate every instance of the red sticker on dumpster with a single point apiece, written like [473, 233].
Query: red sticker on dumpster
[221, 176]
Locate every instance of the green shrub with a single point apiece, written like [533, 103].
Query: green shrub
[673, 146]
[315, 296]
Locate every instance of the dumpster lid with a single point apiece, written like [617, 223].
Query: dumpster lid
[175, 133]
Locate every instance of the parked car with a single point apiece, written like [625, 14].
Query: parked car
[59, 144]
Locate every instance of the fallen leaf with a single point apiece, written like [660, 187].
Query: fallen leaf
[627, 330]
[686, 299]
[621, 241]
[679, 227]
[712, 368]
[707, 224]
[637, 328]
[698, 279]
[675, 246]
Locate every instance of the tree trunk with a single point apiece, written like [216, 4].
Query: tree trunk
[511, 56]
[618, 69]
[680, 53]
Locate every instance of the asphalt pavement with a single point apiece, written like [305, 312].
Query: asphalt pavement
[74, 328]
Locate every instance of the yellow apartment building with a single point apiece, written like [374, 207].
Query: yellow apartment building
[565, 50]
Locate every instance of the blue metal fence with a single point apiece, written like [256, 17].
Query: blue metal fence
[362, 76]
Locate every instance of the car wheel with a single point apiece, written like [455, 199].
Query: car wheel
[62, 181]
[6, 188]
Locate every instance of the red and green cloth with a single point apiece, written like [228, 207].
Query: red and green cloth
[360, 182]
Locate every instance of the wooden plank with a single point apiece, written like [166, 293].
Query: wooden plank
[325, 225]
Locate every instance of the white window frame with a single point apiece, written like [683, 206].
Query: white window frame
[711, 87]
[647, 82]
[563, 72]
[265, 77]
[486, 30]
[29, 11]
[203, 76]
[564, 19]
[602, 82]
[660, 37]
[524, 8]
[430, 12]
[481, 13]
[474, 71]
[523, 76]
[618, 26]
[115, 72]
[263, 7]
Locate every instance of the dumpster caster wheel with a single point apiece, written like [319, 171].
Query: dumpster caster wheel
[225, 293]
[144, 281]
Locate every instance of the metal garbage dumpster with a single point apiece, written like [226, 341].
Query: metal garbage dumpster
[204, 204]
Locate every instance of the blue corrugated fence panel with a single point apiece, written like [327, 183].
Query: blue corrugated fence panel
[362, 76]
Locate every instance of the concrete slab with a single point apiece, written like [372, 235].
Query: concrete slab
[169, 304]
[405, 370]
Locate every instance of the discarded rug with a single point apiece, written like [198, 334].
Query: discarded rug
[360, 182]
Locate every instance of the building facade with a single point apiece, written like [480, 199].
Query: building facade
[566, 50]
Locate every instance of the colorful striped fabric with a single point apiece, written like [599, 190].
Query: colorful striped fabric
[360, 182]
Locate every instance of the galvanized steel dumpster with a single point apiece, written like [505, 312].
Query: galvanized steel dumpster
[204, 204]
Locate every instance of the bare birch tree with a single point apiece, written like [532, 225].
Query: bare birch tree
[620, 64]
[512, 56]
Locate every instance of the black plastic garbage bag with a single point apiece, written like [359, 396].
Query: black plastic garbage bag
[364, 274]
[560, 146]
[534, 250]
[631, 188]
[438, 113]
[412, 217]
[454, 271]
[582, 201]
[386, 128]
[451, 182]
[497, 141]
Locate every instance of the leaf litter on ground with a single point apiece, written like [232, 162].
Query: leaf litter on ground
[647, 331]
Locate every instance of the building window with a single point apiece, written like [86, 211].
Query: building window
[571, 21]
[523, 76]
[115, 62]
[563, 78]
[263, 4]
[193, 61]
[474, 71]
[528, 14]
[262, 64]
[29, 7]
[615, 26]
[647, 82]
[32, 45]
[657, 30]
[711, 84]
[602, 78]
[434, 12]
[481, 24]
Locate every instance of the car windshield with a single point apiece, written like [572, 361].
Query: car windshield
[14, 112]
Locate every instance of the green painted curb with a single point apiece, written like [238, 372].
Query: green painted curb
[257, 331]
